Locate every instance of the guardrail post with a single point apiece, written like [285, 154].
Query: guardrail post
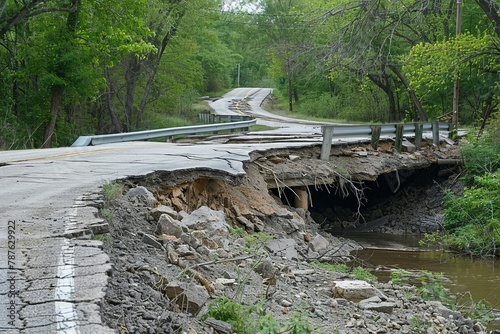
[399, 137]
[326, 147]
[375, 136]
[452, 132]
[419, 129]
[435, 133]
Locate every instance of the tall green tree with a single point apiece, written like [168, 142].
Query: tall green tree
[471, 58]
[53, 53]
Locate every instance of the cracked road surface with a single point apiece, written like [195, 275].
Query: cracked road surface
[52, 276]
[248, 101]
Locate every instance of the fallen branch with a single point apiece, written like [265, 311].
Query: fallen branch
[199, 277]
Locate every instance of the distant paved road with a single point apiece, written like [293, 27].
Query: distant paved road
[229, 105]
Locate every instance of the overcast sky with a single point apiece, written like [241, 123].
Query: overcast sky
[246, 5]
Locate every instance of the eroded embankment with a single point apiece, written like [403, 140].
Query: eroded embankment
[362, 188]
[178, 241]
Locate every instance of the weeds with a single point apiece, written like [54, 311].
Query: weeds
[236, 231]
[432, 287]
[418, 326]
[481, 310]
[254, 318]
[400, 277]
[363, 274]
[256, 241]
[105, 237]
[431, 284]
[107, 214]
[339, 268]
[112, 191]
[358, 272]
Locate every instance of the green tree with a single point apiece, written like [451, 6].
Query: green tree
[53, 53]
[433, 67]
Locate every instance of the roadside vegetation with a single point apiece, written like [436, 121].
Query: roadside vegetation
[112, 191]
[70, 68]
[472, 219]
[255, 319]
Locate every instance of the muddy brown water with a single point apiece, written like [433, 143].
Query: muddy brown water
[479, 277]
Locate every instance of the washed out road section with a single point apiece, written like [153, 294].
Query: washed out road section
[56, 276]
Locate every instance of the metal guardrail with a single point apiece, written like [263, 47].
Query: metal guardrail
[159, 133]
[365, 130]
[207, 117]
[398, 130]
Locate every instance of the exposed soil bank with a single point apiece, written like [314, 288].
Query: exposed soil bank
[188, 238]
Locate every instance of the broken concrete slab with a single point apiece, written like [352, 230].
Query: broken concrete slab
[353, 290]
[283, 248]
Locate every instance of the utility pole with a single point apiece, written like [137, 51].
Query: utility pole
[456, 85]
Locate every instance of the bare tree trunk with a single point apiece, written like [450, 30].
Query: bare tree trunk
[57, 95]
[115, 122]
[57, 92]
[168, 36]
[413, 97]
[131, 77]
[290, 93]
[152, 75]
[382, 81]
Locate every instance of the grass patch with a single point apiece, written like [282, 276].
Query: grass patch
[358, 272]
[112, 191]
[363, 274]
[256, 128]
[107, 214]
[338, 268]
[105, 237]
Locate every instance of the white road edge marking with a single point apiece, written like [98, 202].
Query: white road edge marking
[66, 315]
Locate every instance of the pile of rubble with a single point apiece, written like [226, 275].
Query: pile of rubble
[170, 264]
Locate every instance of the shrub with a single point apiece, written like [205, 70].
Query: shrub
[432, 287]
[473, 219]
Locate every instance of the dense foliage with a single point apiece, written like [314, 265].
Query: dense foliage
[72, 67]
[472, 219]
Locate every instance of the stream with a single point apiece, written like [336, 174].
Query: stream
[479, 277]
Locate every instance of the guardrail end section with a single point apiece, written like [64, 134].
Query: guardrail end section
[82, 141]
